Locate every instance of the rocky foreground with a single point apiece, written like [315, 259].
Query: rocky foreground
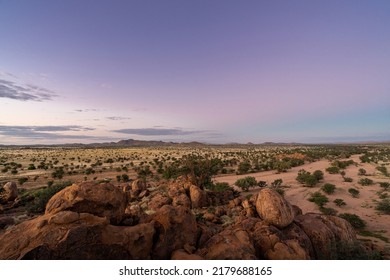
[176, 221]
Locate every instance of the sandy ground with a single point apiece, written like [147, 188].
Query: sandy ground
[363, 206]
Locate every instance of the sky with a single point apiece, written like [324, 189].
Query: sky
[215, 71]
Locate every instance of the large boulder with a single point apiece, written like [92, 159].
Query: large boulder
[103, 200]
[198, 197]
[230, 244]
[10, 192]
[274, 209]
[329, 235]
[72, 235]
[138, 186]
[176, 228]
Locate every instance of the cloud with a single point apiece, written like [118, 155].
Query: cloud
[157, 131]
[43, 132]
[118, 118]
[86, 110]
[24, 92]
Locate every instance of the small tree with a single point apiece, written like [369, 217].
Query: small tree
[339, 202]
[246, 183]
[328, 188]
[354, 192]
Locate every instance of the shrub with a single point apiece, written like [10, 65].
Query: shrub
[328, 211]
[262, 184]
[383, 170]
[319, 199]
[384, 185]
[220, 187]
[125, 177]
[366, 182]
[39, 198]
[355, 221]
[306, 178]
[318, 174]
[31, 167]
[384, 206]
[277, 183]
[280, 191]
[339, 202]
[348, 179]
[328, 188]
[246, 183]
[333, 170]
[244, 167]
[362, 172]
[353, 192]
[22, 180]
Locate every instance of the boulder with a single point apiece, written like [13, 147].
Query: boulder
[328, 234]
[6, 221]
[103, 200]
[230, 244]
[158, 201]
[198, 197]
[176, 228]
[183, 255]
[273, 208]
[10, 191]
[138, 186]
[76, 236]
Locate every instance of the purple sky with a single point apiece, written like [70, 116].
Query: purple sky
[214, 71]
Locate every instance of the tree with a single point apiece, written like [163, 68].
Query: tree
[244, 167]
[143, 173]
[246, 183]
[306, 178]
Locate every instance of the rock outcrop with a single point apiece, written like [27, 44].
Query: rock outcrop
[96, 221]
[273, 208]
[102, 200]
[9, 192]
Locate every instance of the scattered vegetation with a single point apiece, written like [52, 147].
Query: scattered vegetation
[246, 183]
[384, 206]
[339, 202]
[328, 188]
[365, 182]
[354, 192]
[319, 199]
[354, 220]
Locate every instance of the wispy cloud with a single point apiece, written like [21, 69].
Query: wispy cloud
[44, 132]
[157, 131]
[86, 110]
[117, 118]
[24, 92]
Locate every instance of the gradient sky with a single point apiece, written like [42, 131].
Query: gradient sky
[214, 71]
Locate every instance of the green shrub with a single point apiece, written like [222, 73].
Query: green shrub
[354, 220]
[220, 187]
[306, 178]
[319, 199]
[328, 211]
[348, 179]
[262, 184]
[383, 170]
[384, 185]
[318, 174]
[37, 199]
[22, 180]
[280, 191]
[353, 192]
[328, 188]
[333, 170]
[246, 183]
[339, 202]
[384, 206]
[366, 182]
[277, 183]
[362, 172]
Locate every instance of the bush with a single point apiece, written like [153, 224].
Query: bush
[366, 182]
[328, 188]
[328, 211]
[339, 202]
[277, 183]
[22, 180]
[220, 187]
[384, 206]
[383, 170]
[262, 184]
[306, 178]
[353, 192]
[355, 221]
[362, 172]
[348, 179]
[280, 191]
[319, 199]
[246, 183]
[38, 199]
[333, 170]
[318, 174]
[384, 185]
